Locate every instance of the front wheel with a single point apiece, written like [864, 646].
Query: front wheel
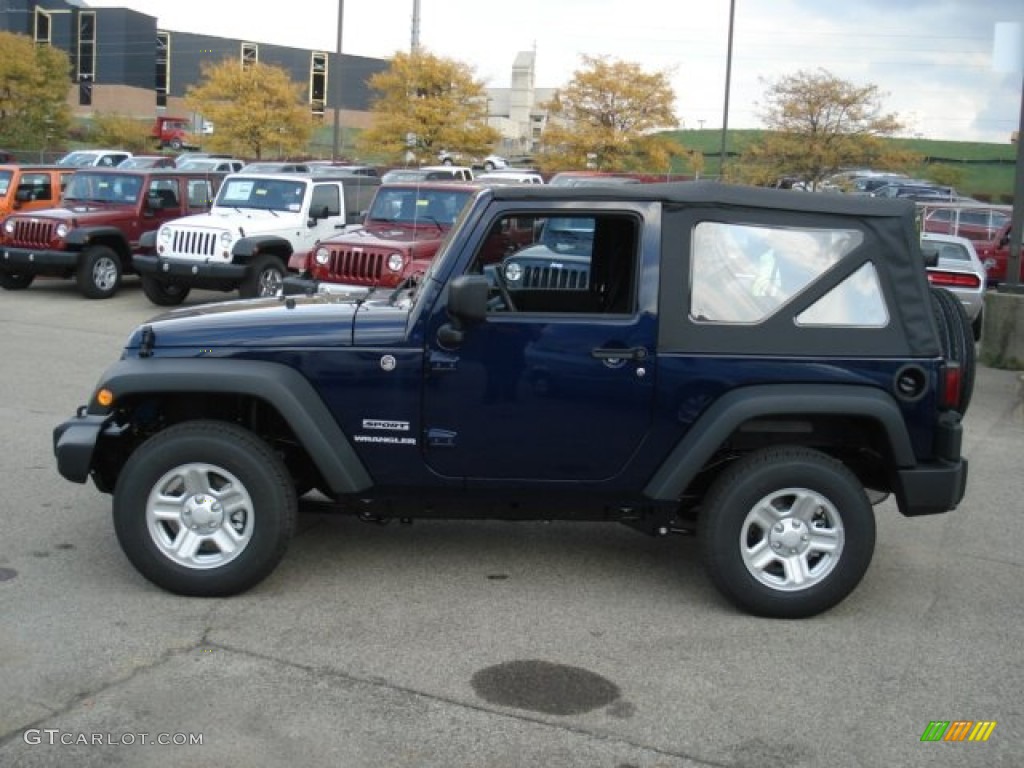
[164, 294]
[99, 272]
[11, 281]
[265, 278]
[204, 508]
[787, 532]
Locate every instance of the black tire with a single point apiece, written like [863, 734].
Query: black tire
[178, 543]
[958, 341]
[164, 294]
[265, 277]
[176, 144]
[15, 281]
[448, 161]
[488, 166]
[786, 498]
[99, 272]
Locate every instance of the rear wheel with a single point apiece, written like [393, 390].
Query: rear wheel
[787, 532]
[265, 278]
[99, 272]
[13, 281]
[204, 508]
[957, 337]
[164, 294]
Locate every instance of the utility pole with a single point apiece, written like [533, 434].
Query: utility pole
[335, 149]
[415, 47]
[728, 79]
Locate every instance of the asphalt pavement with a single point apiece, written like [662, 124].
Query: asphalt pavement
[481, 643]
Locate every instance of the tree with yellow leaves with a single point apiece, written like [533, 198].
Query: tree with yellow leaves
[818, 125]
[607, 118]
[425, 104]
[258, 110]
[34, 83]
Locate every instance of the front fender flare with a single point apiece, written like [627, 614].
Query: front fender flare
[727, 413]
[246, 249]
[283, 388]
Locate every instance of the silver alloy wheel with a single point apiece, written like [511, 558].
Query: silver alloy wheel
[270, 282]
[200, 516]
[104, 274]
[792, 539]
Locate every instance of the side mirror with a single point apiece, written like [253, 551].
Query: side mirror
[317, 214]
[467, 306]
[23, 195]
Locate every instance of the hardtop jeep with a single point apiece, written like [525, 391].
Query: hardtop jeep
[755, 366]
[104, 216]
[31, 187]
[401, 232]
[257, 223]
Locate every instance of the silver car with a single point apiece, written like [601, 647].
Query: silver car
[958, 268]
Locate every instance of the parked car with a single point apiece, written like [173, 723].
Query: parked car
[952, 263]
[326, 167]
[187, 157]
[419, 174]
[922, 192]
[995, 255]
[213, 165]
[458, 172]
[7, 158]
[276, 167]
[489, 163]
[99, 158]
[510, 177]
[590, 179]
[975, 222]
[147, 161]
[31, 187]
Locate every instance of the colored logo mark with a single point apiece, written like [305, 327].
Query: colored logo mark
[958, 730]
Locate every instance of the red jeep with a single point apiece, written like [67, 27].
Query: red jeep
[92, 236]
[403, 229]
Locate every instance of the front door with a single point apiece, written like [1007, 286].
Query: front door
[559, 386]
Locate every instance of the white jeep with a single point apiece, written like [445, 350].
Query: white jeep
[256, 224]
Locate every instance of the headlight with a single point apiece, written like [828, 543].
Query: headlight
[166, 234]
[322, 256]
[225, 239]
[513, 272]
[9, 226]
[62, 230]
[396, 262]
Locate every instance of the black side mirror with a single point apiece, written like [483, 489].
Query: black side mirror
[467, 306]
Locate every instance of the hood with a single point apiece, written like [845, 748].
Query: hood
[389, 235]
[299, 322]
[75, 211]
[249, 220]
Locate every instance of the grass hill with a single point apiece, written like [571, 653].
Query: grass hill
[985, 170]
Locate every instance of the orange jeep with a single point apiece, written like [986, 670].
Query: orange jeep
[29, 187]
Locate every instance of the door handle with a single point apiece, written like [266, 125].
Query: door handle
[631, 353]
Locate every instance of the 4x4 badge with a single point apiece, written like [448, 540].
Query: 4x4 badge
[388, 363]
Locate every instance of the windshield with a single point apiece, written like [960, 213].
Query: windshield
[104, 188]
[262, 194]
[411, 205]
[5, 181]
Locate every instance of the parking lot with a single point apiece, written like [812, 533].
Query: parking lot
[481, 643]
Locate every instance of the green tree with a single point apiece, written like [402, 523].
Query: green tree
[425, 104]
[114, 130]
[818, 125]
[257, 109]
[606, 117]
[34, 83]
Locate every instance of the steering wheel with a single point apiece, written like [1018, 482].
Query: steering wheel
[499, 279]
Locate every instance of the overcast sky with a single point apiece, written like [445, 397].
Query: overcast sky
[932, 59]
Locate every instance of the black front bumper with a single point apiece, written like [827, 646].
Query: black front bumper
[32, 261]
[198, 274]
[74, 442]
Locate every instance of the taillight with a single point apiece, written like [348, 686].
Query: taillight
[954, 279]
[952, 384]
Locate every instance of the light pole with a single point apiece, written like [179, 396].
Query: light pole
[337, 88]
[728, 79]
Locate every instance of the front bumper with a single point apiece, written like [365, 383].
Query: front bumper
[304, 286]
[32, 261]
[189, 271]
[74, 442]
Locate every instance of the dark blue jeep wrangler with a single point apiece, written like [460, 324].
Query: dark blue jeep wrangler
[755, 366]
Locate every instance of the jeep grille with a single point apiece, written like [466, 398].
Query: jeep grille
[33, 233]
[194, 242]
[356, 267]
[556, 278]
